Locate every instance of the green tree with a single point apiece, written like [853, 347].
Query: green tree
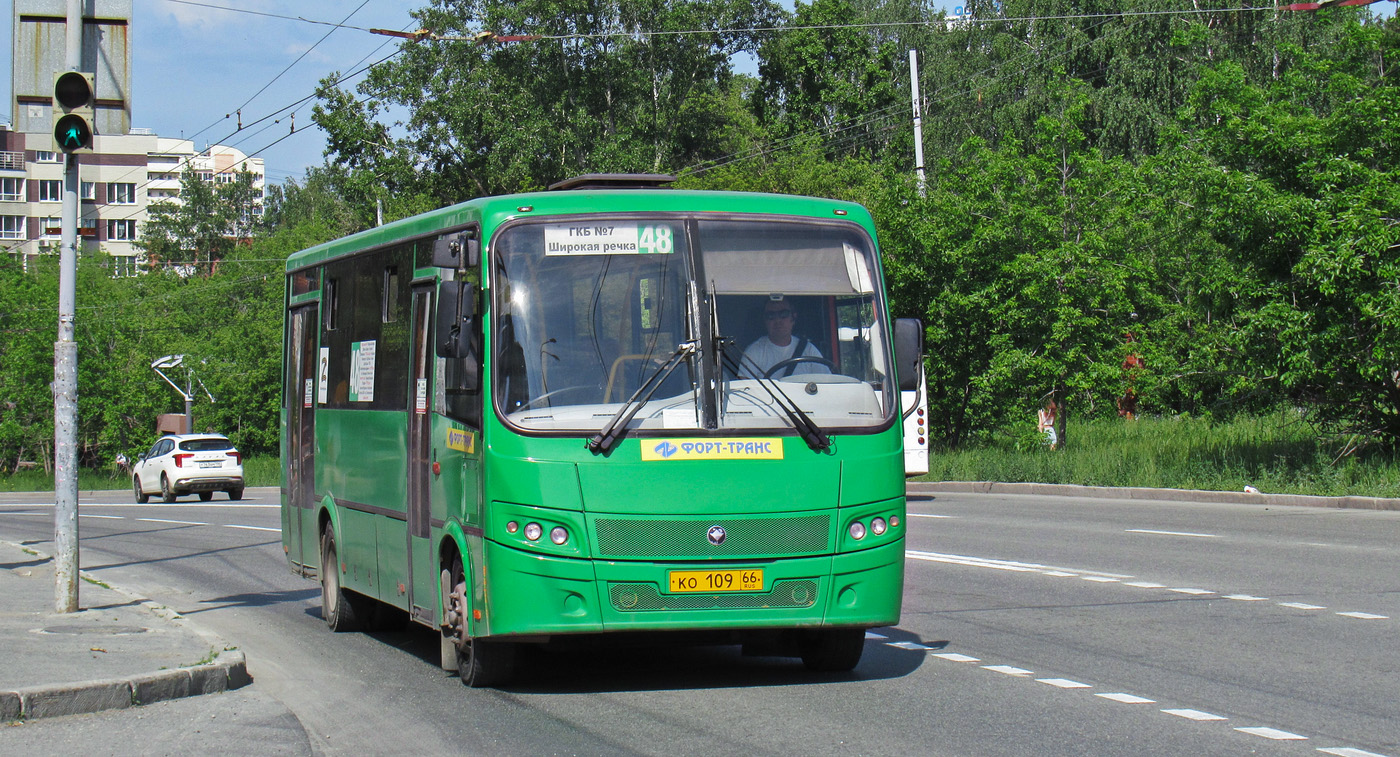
[613, 86]
[203, 224]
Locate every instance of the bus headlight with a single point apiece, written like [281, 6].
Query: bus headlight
[877, 526]
[533, 531]
[512, 527]
[857, 530]
[558, 535]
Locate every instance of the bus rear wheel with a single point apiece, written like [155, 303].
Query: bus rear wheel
[480, 663]
[835, 650]
[339, 608]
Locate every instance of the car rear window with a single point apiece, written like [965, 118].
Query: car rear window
[206, 445]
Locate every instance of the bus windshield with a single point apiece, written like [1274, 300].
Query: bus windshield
[777, 310]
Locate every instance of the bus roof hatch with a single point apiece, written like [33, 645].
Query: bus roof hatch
[614, 181]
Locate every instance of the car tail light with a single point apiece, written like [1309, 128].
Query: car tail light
[180, 460]
[237, 457]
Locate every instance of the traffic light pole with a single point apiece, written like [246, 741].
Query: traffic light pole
[65, 366]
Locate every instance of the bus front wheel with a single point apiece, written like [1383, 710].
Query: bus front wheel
[835, 650]
[480, 663]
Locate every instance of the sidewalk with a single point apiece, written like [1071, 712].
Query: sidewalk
[117, 651]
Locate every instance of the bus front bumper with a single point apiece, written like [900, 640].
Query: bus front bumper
[530, 594]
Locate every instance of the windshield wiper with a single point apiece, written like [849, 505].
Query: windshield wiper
[616, 427]
[806, 427]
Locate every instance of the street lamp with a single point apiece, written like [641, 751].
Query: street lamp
[170, 362]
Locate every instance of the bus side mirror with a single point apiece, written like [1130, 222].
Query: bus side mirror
[908, 352]
[459, 251]
[456, 319]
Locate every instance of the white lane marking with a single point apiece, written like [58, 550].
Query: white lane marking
[1017, 567]
[1098, 576]
[1272, 733]
[1127, 698]
[104, 517]
[1064, 683]
[163, 506]
[873, 635]
[1171, 533]
[975, 562]
[925, 515]
[908, 645]
[1007, 669]
[252, 528]
[176, 522]
[1124, 698]
[45, 515]
[1194, 714]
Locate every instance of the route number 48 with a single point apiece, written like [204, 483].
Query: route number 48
[656, 240]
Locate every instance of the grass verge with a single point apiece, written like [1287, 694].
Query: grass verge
[257, 471]
[1276, 454]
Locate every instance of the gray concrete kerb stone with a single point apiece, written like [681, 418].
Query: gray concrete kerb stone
[1138, 493]
[227, 672]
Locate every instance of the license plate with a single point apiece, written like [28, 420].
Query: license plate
[716, 580]
[214, 464]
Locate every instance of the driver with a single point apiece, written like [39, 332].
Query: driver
[778, 345]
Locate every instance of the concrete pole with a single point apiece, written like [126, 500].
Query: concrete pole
[189, 404]
[65, 366]
[918, 119]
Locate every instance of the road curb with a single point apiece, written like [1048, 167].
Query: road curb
[228, 672]
[1138, 493]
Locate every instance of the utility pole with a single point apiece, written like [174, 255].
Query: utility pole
[65, 362]
[918, 119]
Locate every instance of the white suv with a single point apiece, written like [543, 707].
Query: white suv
[181, 464]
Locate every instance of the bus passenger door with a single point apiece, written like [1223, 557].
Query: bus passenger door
[421, 571]
[302, 373]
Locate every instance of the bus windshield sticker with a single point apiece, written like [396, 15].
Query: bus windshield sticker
[713, 449]
[461, 440]
[362, 371]
[608, 239]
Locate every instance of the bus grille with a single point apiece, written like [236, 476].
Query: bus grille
[752, 537]
[638, 597]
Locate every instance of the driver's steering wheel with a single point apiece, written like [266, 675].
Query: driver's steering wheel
[781, 364]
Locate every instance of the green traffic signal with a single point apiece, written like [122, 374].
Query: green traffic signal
[72, 132]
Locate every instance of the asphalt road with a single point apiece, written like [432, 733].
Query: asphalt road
[1032, 626]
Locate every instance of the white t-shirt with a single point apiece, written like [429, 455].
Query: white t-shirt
[765, 355]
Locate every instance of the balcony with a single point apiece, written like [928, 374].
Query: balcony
[11, 161]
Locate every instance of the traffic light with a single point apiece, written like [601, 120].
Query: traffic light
[72, 111]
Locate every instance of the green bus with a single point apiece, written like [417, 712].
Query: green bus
[552, 417]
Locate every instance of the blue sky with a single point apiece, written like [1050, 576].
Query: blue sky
[192, 65]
